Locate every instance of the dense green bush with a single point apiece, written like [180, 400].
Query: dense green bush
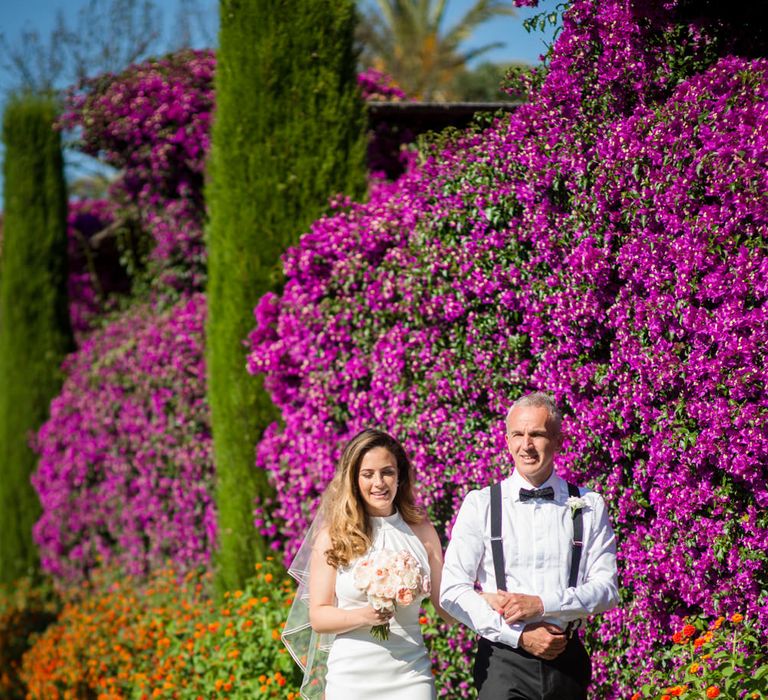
[35, 331]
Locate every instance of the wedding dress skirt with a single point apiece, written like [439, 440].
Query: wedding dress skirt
[363, 668]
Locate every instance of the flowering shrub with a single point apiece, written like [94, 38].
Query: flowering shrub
[376, 86]
[606, 242]
[125, 472]
[723, 658]
[451, 651]
[95, 271]
[152, 122]
[167, 639]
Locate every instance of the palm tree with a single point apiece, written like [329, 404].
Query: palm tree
[405, 39]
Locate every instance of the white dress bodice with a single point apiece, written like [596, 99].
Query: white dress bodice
[362, 667]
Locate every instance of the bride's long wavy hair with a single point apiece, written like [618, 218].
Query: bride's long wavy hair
[349, 525]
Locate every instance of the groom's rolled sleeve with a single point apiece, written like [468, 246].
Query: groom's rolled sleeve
[463, 560]
[597, 590]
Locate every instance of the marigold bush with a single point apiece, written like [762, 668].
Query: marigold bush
[606, 242]
[165, 638]
[710, 659]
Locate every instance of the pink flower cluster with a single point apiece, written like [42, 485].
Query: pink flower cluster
[391, 578]
[607, 242]
[376, 86]
[125, 474]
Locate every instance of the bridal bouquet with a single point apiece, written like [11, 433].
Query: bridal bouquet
[390, 578]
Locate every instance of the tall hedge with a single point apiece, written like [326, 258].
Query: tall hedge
[288, 134]
[35, 331]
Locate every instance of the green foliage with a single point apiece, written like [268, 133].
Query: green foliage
[288, 134]
[26, 609]
[451, 649]
[485, 83]
[35, 331]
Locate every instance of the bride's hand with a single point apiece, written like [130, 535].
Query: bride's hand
[370, 617]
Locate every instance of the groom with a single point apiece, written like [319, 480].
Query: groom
[544, 560]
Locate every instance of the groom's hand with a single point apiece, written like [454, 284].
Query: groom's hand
[518, 606]
[545, 640]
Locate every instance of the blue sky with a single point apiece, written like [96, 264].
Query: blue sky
[15, 16]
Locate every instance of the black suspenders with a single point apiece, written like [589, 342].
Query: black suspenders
[498, 552]
[496, 547]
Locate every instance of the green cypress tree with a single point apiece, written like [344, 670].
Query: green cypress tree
[35, 331]
[289, 132]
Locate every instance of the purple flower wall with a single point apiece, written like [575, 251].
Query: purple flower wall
[608, 243]
[125, 475]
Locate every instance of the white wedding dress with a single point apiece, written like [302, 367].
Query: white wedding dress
[363, 668]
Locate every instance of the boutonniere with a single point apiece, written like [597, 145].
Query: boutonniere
[576, 503]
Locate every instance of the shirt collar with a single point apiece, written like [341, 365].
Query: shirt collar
[513, 483]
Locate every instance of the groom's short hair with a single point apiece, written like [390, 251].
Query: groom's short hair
[539, 398]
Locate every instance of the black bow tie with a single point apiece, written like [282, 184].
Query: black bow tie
[527, 494]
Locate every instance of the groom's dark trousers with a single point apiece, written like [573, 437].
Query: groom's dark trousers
[504, 673]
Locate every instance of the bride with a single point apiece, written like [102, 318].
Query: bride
[369, 507]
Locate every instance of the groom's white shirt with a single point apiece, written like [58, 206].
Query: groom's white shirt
[536, 537]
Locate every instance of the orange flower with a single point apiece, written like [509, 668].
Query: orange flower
[268, 578]
[689, 630]
[666, 697]
[718, 623]
[423, 620]
[679, 638]
[736, 618]
[713, 691]
[636, 696]
[694, 668]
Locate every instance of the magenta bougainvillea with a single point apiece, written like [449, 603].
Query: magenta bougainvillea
[85, 219]
[376, 86]
[125, 472]
[152, 122]
[607, 242]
